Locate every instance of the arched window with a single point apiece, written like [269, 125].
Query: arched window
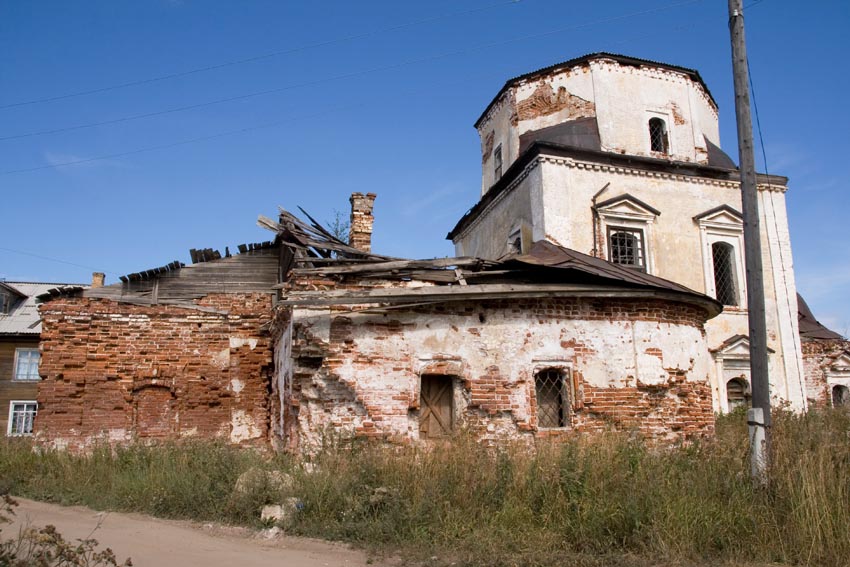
[737, 393]
[725, 290]
[658, 136]
[840, 396]
[626, 247]
[552, 399]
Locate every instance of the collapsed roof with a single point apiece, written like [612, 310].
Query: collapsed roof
[547, 270]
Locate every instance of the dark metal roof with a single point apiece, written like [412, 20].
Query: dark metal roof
[811, 328]
[610, 158]
[544, 253]
[621, 59]
[581, 133]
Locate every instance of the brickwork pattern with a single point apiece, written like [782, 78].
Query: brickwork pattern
[361, 379]
[818, 355]
[117, 372]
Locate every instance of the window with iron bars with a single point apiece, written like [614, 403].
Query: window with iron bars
[552, 400]
[625, 247]
[22, 417]
[724, 273]
[658, 136]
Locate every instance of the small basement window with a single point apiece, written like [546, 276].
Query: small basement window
[552, 399]
[658, 141]
[625, 246]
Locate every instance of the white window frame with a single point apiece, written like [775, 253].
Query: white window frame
[838, 373]
[12, 405]
[668, 122]
[631, 221]
[18, 352]
[721, 228]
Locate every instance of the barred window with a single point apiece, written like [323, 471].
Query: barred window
[497, 161]
[625, 247]
[725, 290]
[552, 399]
[21, 417]
[658, 136]
[26, 364]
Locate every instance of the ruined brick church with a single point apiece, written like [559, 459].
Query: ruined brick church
[598, 283]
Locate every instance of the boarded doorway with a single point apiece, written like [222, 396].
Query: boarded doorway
[436, 416]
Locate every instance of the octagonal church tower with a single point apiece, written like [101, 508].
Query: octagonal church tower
[620, 158]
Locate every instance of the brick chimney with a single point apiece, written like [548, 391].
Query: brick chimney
[360, 229]
[97, 279]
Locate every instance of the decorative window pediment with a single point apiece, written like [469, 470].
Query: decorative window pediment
[736, 346]
[723, 217]
[627, 207]
[627, 223]
[841, 363]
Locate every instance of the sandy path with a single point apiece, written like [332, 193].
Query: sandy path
[166, 543]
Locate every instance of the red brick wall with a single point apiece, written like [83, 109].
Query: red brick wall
[115, 371]
[818, 355]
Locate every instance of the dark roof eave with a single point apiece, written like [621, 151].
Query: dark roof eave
[649, 163]
[623, 59]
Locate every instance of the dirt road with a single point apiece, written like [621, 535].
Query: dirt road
[167, 543]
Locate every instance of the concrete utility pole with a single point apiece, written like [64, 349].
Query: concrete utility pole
[758, 417]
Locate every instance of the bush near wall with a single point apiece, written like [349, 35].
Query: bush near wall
[601, 500]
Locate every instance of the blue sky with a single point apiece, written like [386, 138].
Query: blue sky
[358, 96]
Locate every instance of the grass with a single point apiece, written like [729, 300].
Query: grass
[603, 500]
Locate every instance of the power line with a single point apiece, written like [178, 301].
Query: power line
[345, 75]
[39, 256]
[313, 115]
[257, 57]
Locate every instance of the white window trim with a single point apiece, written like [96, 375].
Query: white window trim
[11, 413]
[521, 230]
[667, 117]
[838, 374]
[15, 365]
[631, 220]
[732, 234]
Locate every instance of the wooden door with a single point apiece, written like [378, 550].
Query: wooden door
[436, 414]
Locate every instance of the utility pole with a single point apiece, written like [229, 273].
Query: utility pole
[758, 417]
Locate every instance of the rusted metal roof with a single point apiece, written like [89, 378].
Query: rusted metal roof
[811, 328]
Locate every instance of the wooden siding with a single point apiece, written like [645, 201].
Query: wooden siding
[9, 389]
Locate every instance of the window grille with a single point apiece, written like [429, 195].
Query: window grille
[26, 364]
[658, 136]
[552, 409]
[21, 418]
[724, 273]
[626, 247]
[497, 161]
